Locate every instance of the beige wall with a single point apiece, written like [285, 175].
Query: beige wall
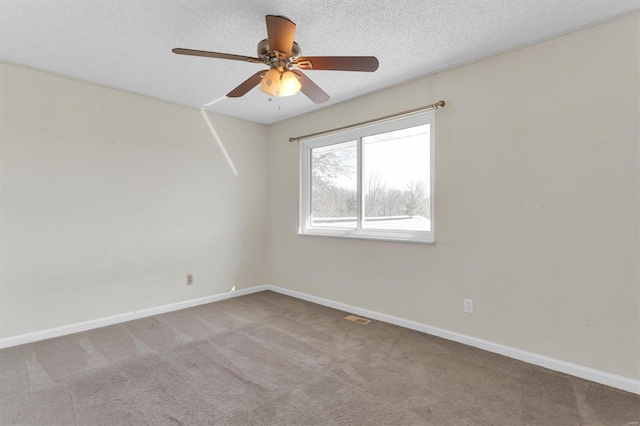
[536, 204]
[109, 200]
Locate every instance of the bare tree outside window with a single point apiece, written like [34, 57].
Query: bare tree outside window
[417, 199]
[397, 179]
[334, 199]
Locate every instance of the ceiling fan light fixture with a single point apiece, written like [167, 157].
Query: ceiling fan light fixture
[270, 83]
[289, 84]
[279, 83]
[279, 52]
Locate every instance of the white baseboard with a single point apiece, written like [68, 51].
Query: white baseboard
[115, 319]
[598, 376]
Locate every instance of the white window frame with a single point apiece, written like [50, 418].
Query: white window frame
[358, 133]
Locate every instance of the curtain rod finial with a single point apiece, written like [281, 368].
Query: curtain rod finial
[440, 104]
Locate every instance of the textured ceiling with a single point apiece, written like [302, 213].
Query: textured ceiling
[126, 44]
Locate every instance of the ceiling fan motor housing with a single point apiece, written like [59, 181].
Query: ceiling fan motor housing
[264, 53]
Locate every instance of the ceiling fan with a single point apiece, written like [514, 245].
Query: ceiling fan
[281, 54]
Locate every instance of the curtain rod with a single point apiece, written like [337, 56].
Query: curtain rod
[437, 105]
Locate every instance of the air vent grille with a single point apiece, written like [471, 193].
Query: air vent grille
[357, 319]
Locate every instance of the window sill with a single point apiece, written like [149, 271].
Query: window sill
[367, 237]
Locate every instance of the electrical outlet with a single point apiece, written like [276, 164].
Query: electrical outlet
[468, 306]
[189, 279]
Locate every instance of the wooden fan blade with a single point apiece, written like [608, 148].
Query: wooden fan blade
[310, 89]
[338, 63]
[247, 85]
[280, 31]
[204, 53]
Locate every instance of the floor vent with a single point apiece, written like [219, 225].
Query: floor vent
[357, 319]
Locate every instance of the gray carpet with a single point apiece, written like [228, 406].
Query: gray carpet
[271, 359]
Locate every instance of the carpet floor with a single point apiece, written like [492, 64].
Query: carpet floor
[269, 359]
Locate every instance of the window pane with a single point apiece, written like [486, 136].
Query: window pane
[397, 180]
[334, 179]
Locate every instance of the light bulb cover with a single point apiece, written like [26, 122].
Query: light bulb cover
[270, 83]
[289, 84]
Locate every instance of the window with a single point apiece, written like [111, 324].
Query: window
[373, 181]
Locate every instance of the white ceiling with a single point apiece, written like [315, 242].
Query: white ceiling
[126, 44]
